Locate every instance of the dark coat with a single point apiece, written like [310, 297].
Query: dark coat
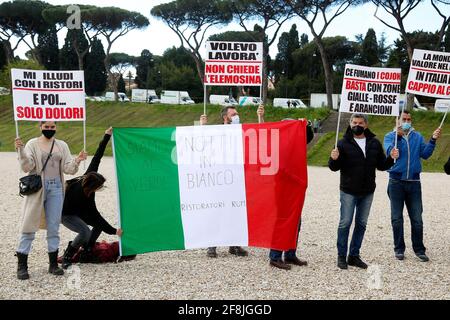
[77, 203]
[357, 171]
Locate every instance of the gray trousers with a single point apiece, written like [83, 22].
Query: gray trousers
[86, 237]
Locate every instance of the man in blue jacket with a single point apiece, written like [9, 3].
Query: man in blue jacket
[404, 183]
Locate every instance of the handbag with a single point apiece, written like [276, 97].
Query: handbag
[33, 183]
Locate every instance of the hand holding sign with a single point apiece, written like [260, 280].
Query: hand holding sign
[260, 113]
[394, 153]
[437, 133]
[81, 156]
[18, 143]
[203, 119]
[335, 154]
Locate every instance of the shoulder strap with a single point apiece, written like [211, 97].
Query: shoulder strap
[49, 156]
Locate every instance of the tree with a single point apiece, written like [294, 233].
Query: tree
[399, 9]
[121, 84]
[22, 19]
[80, 38]
[287, 44]
[445, 21]
[313, 10]
[144, 64]
[113, 23]
[118, 63]
[68, 59]
[398, 56]
[48, 48]
[190, 20]
[273, 14]
[369, 51]
[95, 74]
[307, 71]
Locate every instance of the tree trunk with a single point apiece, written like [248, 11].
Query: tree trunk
[80, 62]
[327, 72]
[9, 54]
[198, 63]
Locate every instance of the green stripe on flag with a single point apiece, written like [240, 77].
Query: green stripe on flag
[149, 196]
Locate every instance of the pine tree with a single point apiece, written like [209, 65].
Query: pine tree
[287, 44]
[95, 73]
[144, 64]
[121, 85]
[369, 50]
[77, 46]
[68, 59]
[48, 48]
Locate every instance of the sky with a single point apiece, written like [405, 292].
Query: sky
[158, 37]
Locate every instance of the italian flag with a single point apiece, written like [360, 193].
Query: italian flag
[214, 185]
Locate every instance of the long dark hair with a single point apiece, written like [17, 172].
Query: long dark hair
[91, 181]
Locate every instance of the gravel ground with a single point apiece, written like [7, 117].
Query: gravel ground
[191, 275]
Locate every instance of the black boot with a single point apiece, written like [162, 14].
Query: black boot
[87, 256]
[342, 262]
[356, 261]
[53, 261]
[22, 266]
[68, 255]
[238, 251]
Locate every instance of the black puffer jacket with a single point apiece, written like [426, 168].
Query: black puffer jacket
[357, 171]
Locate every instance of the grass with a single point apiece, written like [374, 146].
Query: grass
[424, 122]
[101, 115]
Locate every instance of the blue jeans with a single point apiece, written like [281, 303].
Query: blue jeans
[409, 193]
[358, 206]
[276, 255]
[53, 202]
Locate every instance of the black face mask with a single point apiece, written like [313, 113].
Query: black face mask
[357, 130]
[48, 133]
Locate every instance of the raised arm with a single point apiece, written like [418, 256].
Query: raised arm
[95, 162]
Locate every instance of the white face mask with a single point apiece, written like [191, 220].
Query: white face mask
[235, 119]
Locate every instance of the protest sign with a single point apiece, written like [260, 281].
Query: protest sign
[233, 63]
[370, 90]
[40, 95]
[429, 74]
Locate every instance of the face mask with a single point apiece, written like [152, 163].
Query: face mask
[406, 126]
[48, 133]
[235, 119]
[357, 130]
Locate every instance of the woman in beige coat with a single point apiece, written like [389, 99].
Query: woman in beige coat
[43, 208]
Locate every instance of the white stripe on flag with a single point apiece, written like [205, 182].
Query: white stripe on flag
[212, 185]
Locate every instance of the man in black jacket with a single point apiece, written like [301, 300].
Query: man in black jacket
[358, 155]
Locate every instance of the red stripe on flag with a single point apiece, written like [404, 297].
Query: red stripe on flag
[275, 202]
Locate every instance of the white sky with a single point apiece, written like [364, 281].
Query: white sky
[158, 37]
